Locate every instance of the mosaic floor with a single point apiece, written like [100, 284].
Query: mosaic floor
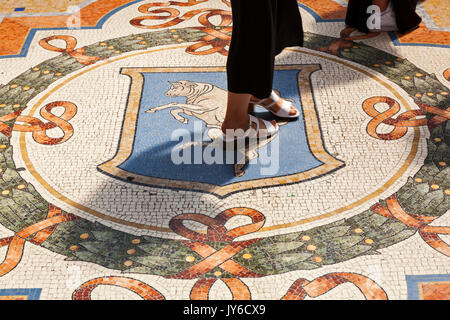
[354, 205]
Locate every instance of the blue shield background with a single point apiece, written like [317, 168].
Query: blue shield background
[151, 155]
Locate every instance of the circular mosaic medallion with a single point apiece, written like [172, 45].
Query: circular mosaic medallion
[107, 154]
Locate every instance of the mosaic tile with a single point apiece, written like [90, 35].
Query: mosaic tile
[91, 206]
[428, 287]
[20, 294]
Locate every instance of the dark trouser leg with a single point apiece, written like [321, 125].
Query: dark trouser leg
[357, 14]
[250, 62]
[261, 29]
[406, 16]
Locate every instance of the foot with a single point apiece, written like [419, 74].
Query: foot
[240, 127]
[347, 32]
[275, 104]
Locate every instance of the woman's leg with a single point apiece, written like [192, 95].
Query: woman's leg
[251, 54]
[237, 115]
[250, 59]
[261, 30]
[404, 16]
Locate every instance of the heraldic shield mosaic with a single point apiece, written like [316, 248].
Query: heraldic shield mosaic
[158, 93]
[111, 187]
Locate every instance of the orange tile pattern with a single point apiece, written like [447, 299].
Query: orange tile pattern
[439, 10]
[326, 9]
[39, 128]
[403, 121]
[14, 30]
[423, 35]
[303, 288]
[13, 297]
[446, 74]
[215, 38]
[238, 289]
[299, 290]
[38, 6]
[435, 290]
[145, 291]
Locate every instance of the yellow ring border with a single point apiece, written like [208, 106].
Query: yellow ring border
[97, 214]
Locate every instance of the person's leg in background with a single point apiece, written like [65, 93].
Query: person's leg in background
[388, 20]
[356, 17]
[395, 15]
[405, 15]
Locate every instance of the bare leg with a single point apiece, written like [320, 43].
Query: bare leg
[236, 116]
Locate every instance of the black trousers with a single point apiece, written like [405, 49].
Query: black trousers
[261, 30]
[405, 14]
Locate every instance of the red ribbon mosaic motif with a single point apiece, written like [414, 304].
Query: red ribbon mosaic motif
[42, 230]
[428, 233]
[39, 128]
[446, 74]
[303, 288]
[212, 258]
[143, 290]
[217, 232]
[299, 290]
[238, 289]
[71, 44]
[217, 38]
[403, 121]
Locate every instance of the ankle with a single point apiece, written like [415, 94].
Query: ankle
[235, 125]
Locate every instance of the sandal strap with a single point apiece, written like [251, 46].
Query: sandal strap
[272, 97]
[269, 106]
[270, 128]
[254, 119]
[260, 102]
[234, 137]
[285, 106]
[284, 109]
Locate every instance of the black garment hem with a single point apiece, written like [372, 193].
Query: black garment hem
[261, 30]
[259, 96]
